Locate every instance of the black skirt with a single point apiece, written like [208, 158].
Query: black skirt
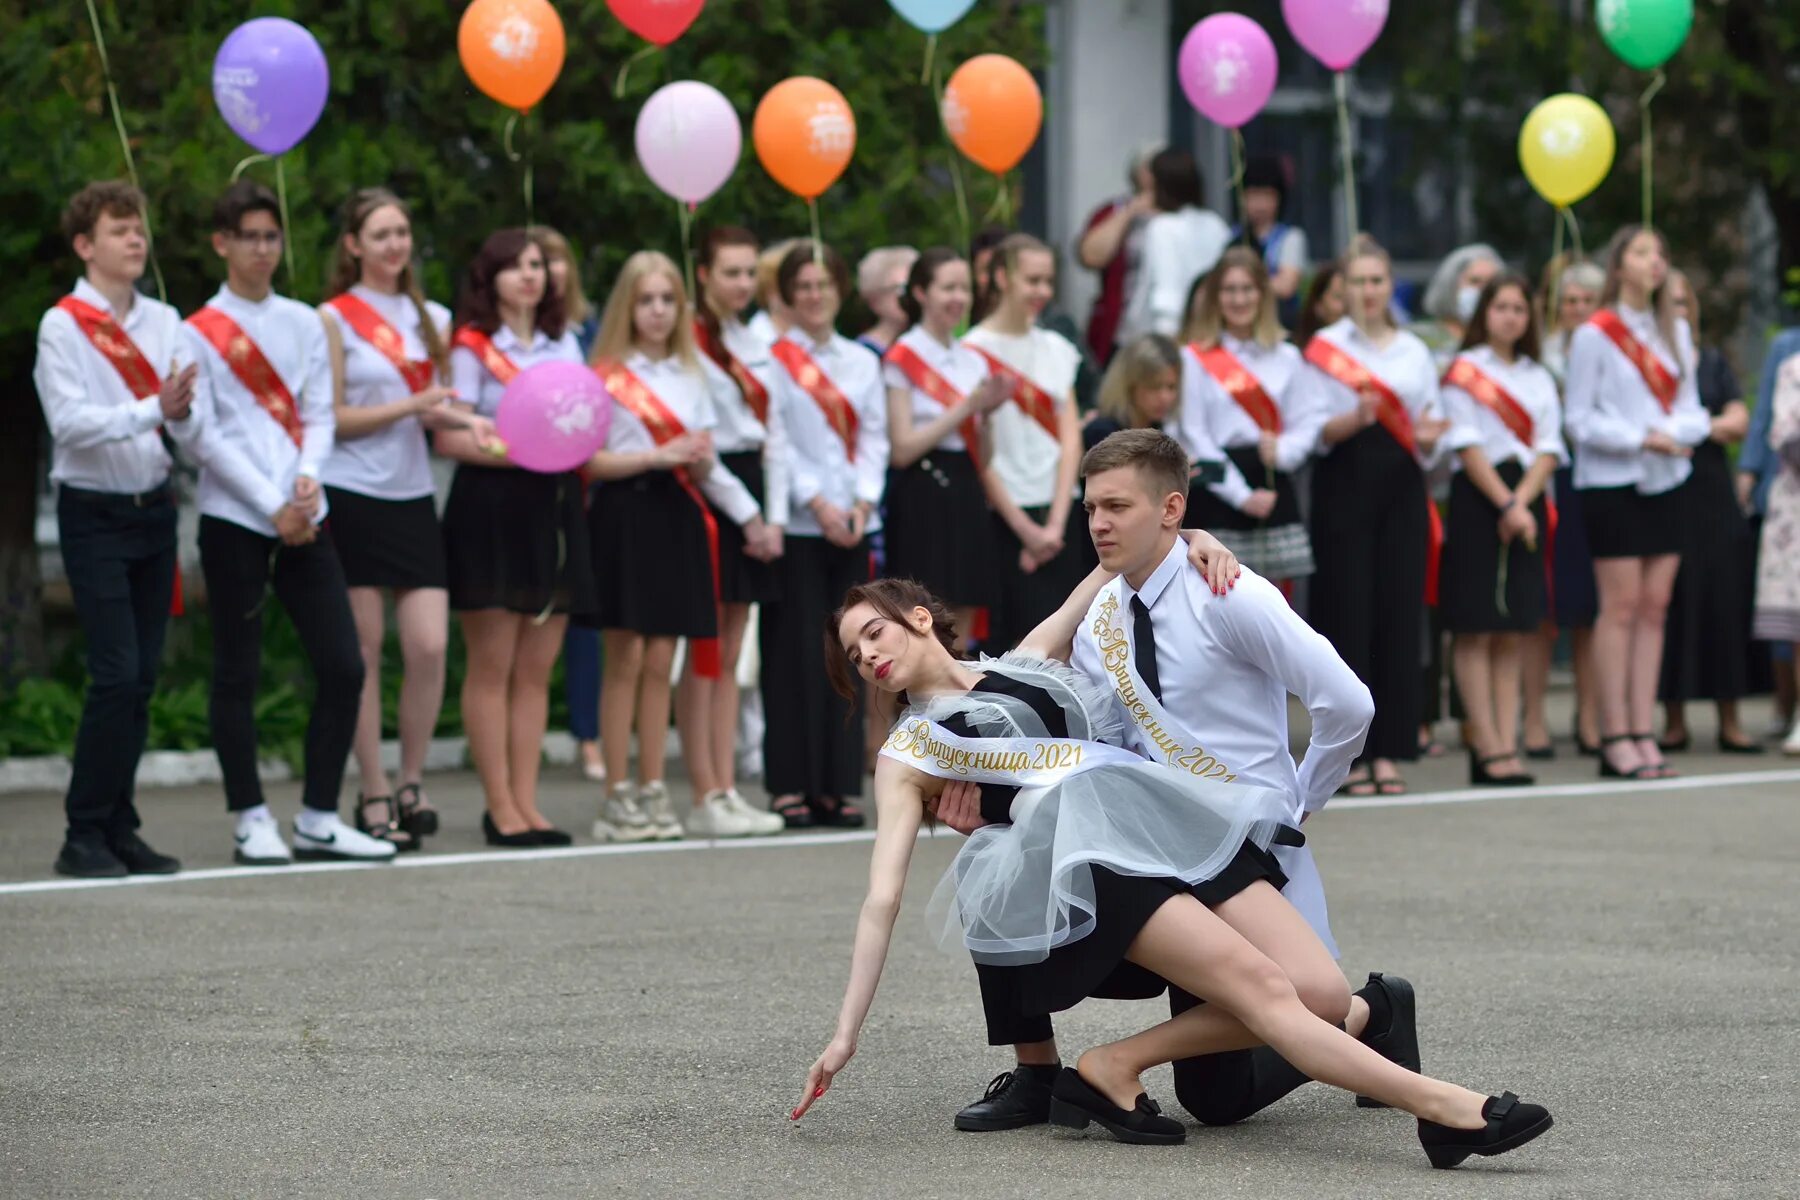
[937, 529]
[1207, 511]
[1706, 654]
[1469, 578]
[1573, 593]
[1623, 523]
[518, 540]
[387, 543]
[742, 579]
[652, 563]
[1026, 599]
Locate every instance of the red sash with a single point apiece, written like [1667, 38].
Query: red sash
[840, 414]
[1398, 422]
[664, 426]
[1490, 395]
[492, 360]
[1662, 385]
[251, 366]
[755, 394]
[1037, 404]
[1240, 385]
[374, 329]
[920, 375]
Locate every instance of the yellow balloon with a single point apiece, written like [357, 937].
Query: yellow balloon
[1566, 147]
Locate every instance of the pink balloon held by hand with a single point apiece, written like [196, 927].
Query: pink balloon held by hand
[1336, 32]
[553, 417]
[1227, 68]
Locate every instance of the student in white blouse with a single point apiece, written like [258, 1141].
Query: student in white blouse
[1377, 386]
[1506, 435]
[654, 533]
[1635, 416]
[1181, 242]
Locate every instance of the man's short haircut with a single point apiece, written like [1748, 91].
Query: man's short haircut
[1161, 462]
[109, 197]
[239, 201]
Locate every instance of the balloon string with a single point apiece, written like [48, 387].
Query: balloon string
[237, 171]
[818, 243]
[1342, 86]
[118, 116]
[513, 155]
[1574, 232]
[506, 138]
[1001, 209]
[956, 176]
[287, 239]
[1237, 182]
[625, 70]
[1656, 85]
[930, 56]
[685, 212]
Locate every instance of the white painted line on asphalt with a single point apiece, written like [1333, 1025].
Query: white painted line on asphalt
[1616, 789]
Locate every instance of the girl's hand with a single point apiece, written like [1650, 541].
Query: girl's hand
[1217, 565]
[818, 1080]
[989, 394]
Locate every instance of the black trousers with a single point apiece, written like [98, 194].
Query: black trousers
[242, 568]
[812, 745]
[119, 555]
[1369, 531]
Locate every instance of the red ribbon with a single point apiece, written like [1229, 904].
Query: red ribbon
[1242, 386]
[1662, 385]
[251, 366]
[374, 329]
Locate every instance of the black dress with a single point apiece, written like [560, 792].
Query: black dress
[517, 540]
[742, 579]
[1469, 586]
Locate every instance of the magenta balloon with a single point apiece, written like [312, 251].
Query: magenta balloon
[1227, 68]
[1336, 32]
[554, 416]
[688, 138]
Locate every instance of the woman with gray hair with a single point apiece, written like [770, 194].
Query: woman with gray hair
[881, 281]
[1451, 296]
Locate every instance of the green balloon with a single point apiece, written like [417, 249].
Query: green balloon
[1645, 33]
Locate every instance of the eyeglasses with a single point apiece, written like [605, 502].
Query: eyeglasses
[253, 238]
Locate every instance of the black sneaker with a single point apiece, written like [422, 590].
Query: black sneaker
[140, 859]
[1013, 1100]
[89, 860]
[1393, 1030]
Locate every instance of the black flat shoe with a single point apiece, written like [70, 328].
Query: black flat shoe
[1727, 747]
[1678, 745]
[89, 860]
[1013, 1100]
[552, 837]
[1542, 753]
[140, 859]
[1510, 1124]
[1480, 776]
[516, 841]
[1398, 1039]
[1074, 1105]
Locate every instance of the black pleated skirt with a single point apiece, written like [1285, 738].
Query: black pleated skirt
[1624, 523]
[652, 564]
[1469, 586]
[937, 529]
[1025, 599]
[518, 540]
[742, 579]
[387, 543]
[1207, 511]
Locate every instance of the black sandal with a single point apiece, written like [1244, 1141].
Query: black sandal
[838, 815]
[1658, 770]
[794, 810]
[1608, 771]
[1350, 786]
[417, 816]
[387, 829]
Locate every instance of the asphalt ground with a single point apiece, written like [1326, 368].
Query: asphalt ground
[592, 1022]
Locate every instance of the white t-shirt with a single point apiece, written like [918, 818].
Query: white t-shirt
[394, 462]
[1179, 247]
[1025, 455]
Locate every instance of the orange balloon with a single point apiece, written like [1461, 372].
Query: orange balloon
[805, 134]
[512, 49]
[993, 111]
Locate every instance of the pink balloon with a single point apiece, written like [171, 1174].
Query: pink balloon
[1227, 68]
[688, 138]
[554, 416]
[1336, 32]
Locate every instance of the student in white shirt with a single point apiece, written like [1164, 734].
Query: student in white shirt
[1371, 523]
[115, 509]
[1633, 442]
[751, 442]
[391, 366]
[1181, 242]
[264, 395]
[1506, 436]
[1029, 477]
[654, 533]
[828, 392]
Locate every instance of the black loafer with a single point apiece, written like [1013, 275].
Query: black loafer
[1510, 1124]
[140, 859]
[1013, 1100]
[1075, 1105]
[1399, 1042]
[89, 860]
[552, 837]
[1728, 747]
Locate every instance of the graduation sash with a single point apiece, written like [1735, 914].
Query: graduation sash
[251, 366]
[1662, 385]
[1242, 386]
[919, 373]
[840, 414]
[1490, 395]
[481, 345]
[1033, 400]
[664, 427]
[375, 329]
[714, 347]
[1022, 762]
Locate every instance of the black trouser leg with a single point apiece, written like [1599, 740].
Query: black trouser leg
[1006, 1025]
[236, 563]
[1347, 557]
[1223, 1089]
[812, 746]
[309, 582]
[1397, 630]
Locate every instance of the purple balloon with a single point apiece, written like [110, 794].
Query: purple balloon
[1227, 68]
[270, 81]
[688, 138]
[554, 416]
[1336, 32]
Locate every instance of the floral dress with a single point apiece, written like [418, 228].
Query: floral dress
[1778, 568]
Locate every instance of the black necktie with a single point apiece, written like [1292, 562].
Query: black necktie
[1143, 651]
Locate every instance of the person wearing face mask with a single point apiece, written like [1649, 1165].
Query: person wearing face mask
[881, 281]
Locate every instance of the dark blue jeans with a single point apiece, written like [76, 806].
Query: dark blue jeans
[119, 555]
[581, 681]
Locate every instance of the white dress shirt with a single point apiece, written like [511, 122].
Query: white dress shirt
[1474, 424]
[1025, 456]
[476, 385]
[684, 393]
[248, 463]
[394, 462]
[1206, 405]
[1404, 364]
[1610, 409]
[821, 467]
[960, 366]
[1179, 247]
[102, 437]
[738, 428]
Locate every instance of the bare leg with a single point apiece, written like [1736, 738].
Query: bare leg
[1674, 721]
[1534, 667]
[653, 707]
[1471, 655]
[1587, 690]
[1620, 581]
[624, 652]
[528, 708]
[1503, 668]
[371, 628]
[423, 617]
[491, 638]
[1646, 651]
[694, 707]
[1731, 729]
[733, 619]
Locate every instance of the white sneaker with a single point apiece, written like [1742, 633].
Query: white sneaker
[331, 838]
[653, 798]
[259, 844]
[763, 823]
[1792, 744]
[717, 818]
[620, 819]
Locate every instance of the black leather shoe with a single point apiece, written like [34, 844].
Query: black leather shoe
[1730, 747]
[513, 841]
[552, 837]
[89, 860]
[140, 859]
[1074, 1105]
[1013, 1100]
[1398, 1039]
[1510, 1124]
